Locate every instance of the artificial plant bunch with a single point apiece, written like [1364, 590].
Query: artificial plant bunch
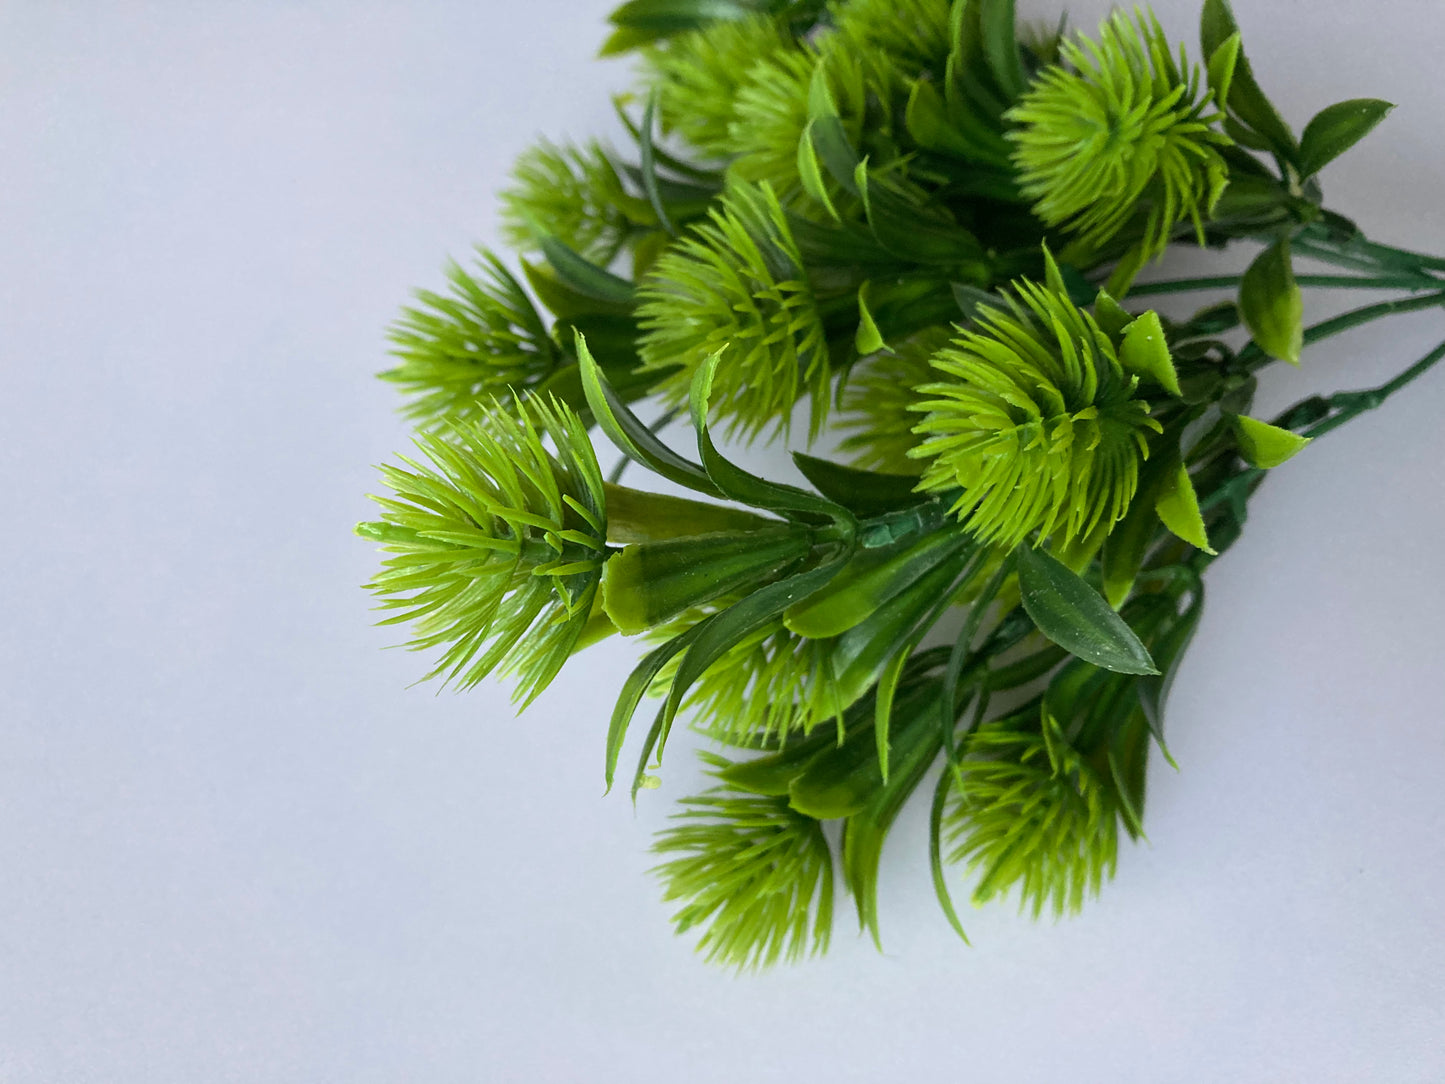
[922, 226]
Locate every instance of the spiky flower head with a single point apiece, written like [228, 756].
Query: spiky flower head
[1029, 812]
[1119, 129]
[736, 283]
[771, 112]
[697, 76]
[879, 404]
[496, 544]
[767, 686]
[572, 193]
[458, 352]
[896, 41]
[1036, 422]
[755, 873]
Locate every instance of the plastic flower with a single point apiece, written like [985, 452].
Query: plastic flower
[767, 686]
[1036, 422]
[496, 544]
[880, 401]
[697, 76]
[572, 193]
[1029, 812]
[755, 873]
[458, 352]
[771, 113]
[897, 40]
[1118, 130]
[736, 283]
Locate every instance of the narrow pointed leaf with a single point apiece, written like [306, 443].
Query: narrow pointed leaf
[1146, 352]
[1178, 508]
[1265, 445]
[1271, 303]
[862, 492]
[627, 431]
[584, 276]
[732, 481]
[1337, 128]
[1073, 615]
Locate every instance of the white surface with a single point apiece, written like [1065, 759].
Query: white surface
[234, 846]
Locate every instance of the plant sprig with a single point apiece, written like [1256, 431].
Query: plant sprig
[905, 210]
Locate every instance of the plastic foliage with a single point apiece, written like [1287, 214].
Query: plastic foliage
[935, 221]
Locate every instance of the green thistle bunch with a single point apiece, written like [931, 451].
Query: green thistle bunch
[880, 407]
[1044, 469]
[1039, 425]
[497, 544]
[458, 353]
[1119, 131]
[571, 193]
[1029, 813]
[697, 77]
[737, 284]
[756, 876]
[767, 686]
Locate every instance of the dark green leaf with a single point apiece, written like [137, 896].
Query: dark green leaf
[864, 832]
[634, 689]
[584, 276]
[935, 853]
[722, 631]
[649, 166]
[916, 234]
[734, 482]
[1000, 45]
[1073, 615]
[673, 16]
[863, 492]
[1337, 128]
[1246, 100]
[634, 439]
[871, 578]
[566, 303]
[1169, 649]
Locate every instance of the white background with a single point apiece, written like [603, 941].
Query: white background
[235, 846]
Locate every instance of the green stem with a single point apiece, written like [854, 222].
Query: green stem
[1344, 282]
[1351, 404]
[1343, 406]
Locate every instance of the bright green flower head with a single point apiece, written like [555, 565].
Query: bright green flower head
[880, 401]
[697, 76]
[767, 687]
[496, 544]
[1119, 129]
[572, 193]
[1036, 422]
[753, 873]
[736, 283]
[457, 352]
[1029, 812]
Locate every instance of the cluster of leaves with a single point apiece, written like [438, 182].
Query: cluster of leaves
[931, 219]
